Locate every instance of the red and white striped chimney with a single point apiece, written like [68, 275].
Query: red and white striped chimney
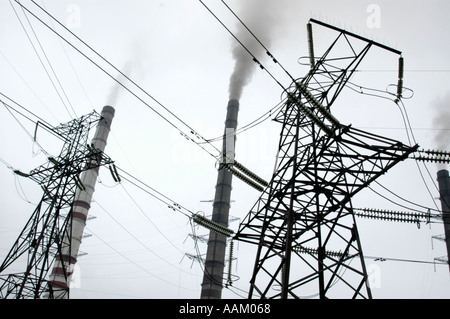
[58, 281]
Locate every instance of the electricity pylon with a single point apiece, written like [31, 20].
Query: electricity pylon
[303, 224]
[46, 236]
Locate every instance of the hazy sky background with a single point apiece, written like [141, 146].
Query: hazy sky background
[178, 52]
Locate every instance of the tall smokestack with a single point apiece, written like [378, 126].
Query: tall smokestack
[215, 255]
[444, 191]
[80, 208]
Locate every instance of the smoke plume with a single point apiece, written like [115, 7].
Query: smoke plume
[134, 69]
[265, 19]
[116, 87]
[441, 122]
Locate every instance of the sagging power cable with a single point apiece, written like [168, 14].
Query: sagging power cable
[214, 152]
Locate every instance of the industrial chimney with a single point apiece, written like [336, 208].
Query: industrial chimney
[80, 208]
[215, 255]
[444, 195]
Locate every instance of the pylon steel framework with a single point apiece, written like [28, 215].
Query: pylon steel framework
[303, 224]
[41, 240]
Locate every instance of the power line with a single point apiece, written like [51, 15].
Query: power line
[406, 200]
[408, 129]
[51, 66]
[71, 65]
[136, 264]
[402, 128]
[205, 270]
[206, 141]
[243, 46]
[23, 127]
[23, 108]
[44, 124]
[178, 206]
[27, 85]
[139, 241]
[381, 259]
[418, 167]
[390, 200]
[410, 70]
[126, 77]
[253, 123]
[156, 194]
[258, 40]
[192, 131]
[250, 126]
[175, 206]
[151, 222]
[171, 204]
[42, 62]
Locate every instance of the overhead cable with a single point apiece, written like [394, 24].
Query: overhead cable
[8, 108]
[42, 62]
[243, 45]
[136, 264]
[192, 131]
[257, 39]
[382, 259]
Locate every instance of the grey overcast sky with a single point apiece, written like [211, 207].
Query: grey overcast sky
[181, 55]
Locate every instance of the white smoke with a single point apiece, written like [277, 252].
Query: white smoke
[265, 18]
[134, 69]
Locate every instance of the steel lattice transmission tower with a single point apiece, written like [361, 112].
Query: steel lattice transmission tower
[47, 236]
[303, 224]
